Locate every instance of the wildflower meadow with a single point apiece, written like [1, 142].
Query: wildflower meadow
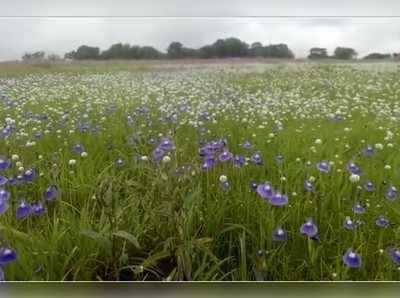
[207, 173]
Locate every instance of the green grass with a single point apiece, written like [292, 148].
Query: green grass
[141, 221]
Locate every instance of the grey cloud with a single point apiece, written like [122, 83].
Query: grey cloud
[200, 8]
[58, 35]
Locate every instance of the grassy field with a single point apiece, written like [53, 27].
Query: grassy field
[226, 172]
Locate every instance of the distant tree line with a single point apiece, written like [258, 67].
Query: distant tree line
[222, 48]
[345, 53]
[40, 56]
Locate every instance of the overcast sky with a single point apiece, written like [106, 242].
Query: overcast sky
[59, 26]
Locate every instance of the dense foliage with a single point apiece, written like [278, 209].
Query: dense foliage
[222, 48]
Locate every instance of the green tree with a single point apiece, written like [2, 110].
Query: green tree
[148, 52]
[175, 50]
[377, 56]
[277, 51]
[117, 51]
[344, 53]
[318, 53]
[40, 55]
[256, 49]
[87, 52]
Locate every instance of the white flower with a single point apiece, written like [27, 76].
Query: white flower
[166, 159]
[144, 158]
[387, 167]
[72, 162]
[14, 157]
[21, 169]
[84, 154]
[379, 146]
[223, 179]
[19, 164]
[318, 141]
[30, 144]
[354, 178]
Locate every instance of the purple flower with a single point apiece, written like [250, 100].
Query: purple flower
[257, 159]
[253, 186]
[323, 166]
[351, 259]
[348, 224]
[309, 228]
[3, 180]
[23, 209]
[38, 136]
[29, 175]
[7, 255]
[225, 186]
[369, 186]
[50, 193]
[265, 191]
[12, 181]
[278, 199]
[38, 209]
[208, 164]
[308, 186]
[358, 208]
[158, 154]
[279, 234]
[166, 144]
[391, 193]
[20, 179]
[394, 254]
[368, 150]
[225, 156]
[382, 222]
[151, 141]
[5, 163]
[353, 168]
[4, 197]
[78, 148]
[239, 160]
[217, 145]
[247, 145]
[206, 151]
